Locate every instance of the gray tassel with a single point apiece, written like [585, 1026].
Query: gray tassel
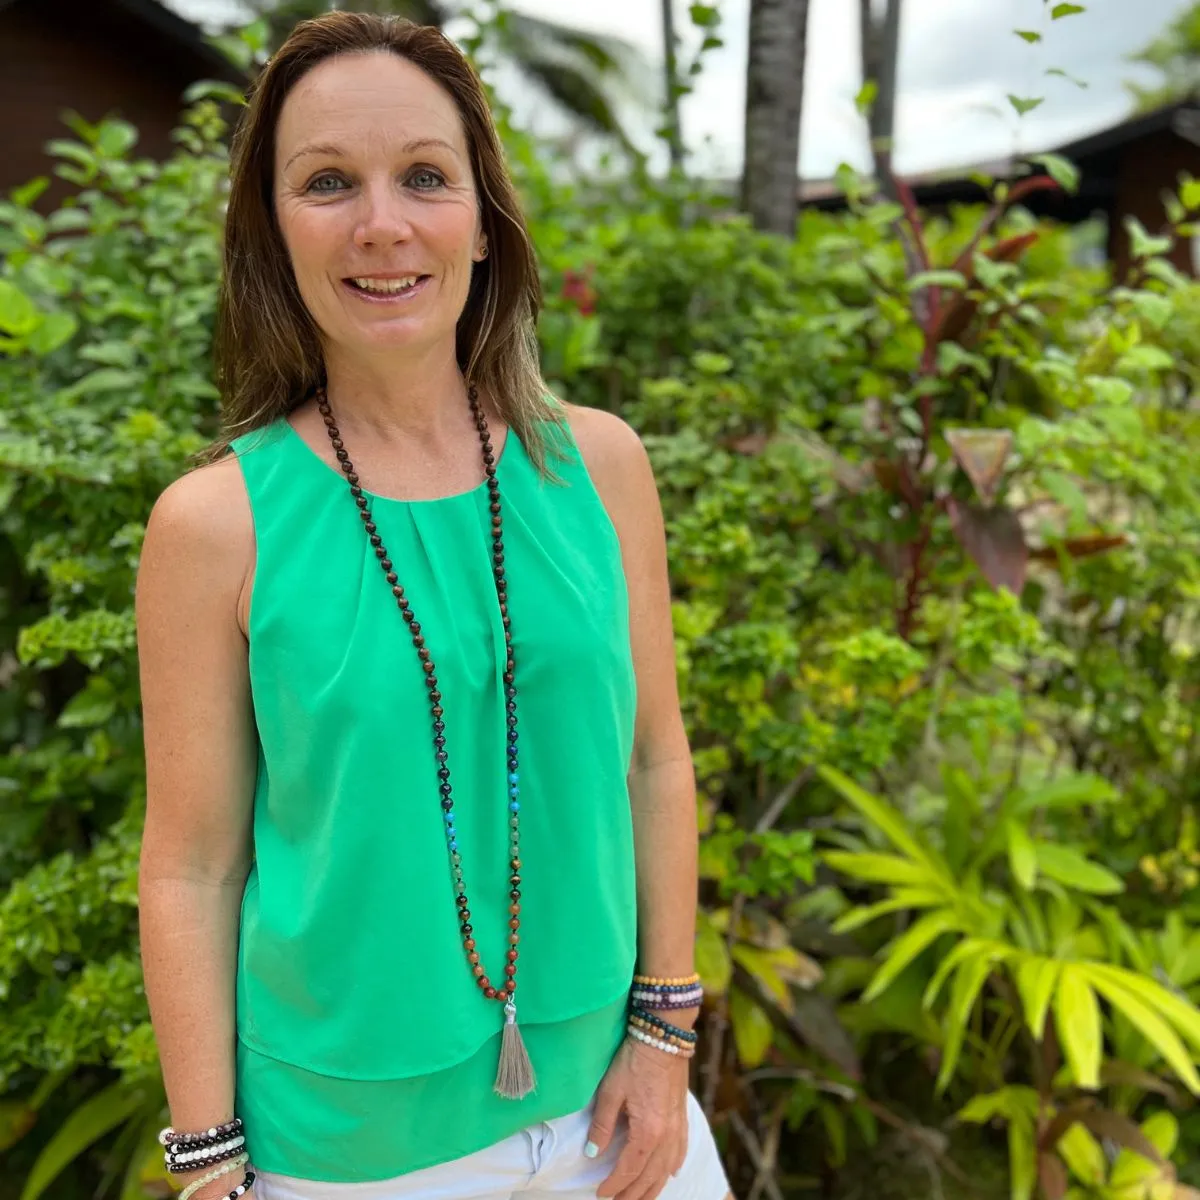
[514, 1075]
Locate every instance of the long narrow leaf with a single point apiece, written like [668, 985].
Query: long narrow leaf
[993, 951]
[885, 818]
[89, 1122]
[1036, 979]
[1022, 1159]
[901, 899]
[1022, 857]
[1152, 1027]
[967, 984]
[1071, 868]
[1184, 1016]
[906, 948]
[880, 868]
[1077, 1017]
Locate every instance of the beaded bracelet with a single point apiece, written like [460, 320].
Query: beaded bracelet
[655, 981]
[226, 1168]
[658, 1044]
[206, 1156]
[685, 1035]
[658, 1035]
[664, 999]
[173, 1139]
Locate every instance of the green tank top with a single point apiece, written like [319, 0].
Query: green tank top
[365, 1048]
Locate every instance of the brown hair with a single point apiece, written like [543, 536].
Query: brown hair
[267, 349]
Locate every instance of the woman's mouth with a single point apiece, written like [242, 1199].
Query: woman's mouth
[380, 289]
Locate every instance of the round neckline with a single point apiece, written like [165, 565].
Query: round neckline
[293, 434]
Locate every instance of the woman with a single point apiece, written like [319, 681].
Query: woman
[415, 760]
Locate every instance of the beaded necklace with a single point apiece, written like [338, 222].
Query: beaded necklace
[514, 1075]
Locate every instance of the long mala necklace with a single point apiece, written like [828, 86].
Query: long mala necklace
[514, 1076]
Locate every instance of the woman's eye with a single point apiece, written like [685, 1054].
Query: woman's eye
[328, 184]
[426, 180]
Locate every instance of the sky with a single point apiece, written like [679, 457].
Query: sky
[959, 60]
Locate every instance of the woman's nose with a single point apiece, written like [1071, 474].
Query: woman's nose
[384, 219]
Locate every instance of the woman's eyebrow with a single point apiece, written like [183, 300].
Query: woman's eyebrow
[330, 151]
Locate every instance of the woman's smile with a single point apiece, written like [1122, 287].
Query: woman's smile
[385, 289]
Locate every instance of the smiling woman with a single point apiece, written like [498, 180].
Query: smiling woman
[412, 729]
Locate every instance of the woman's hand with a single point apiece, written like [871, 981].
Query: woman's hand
[650, 1088]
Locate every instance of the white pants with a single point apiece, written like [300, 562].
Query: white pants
[542, 1162]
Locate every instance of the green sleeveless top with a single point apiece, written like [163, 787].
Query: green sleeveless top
[365, 1048]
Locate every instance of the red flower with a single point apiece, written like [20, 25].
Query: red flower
[577, 289]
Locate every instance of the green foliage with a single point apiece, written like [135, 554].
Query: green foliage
[935, 573]
[1175, 55]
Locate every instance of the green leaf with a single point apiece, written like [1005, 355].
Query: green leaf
[752, 1029]
[1145, 358]
[1022, 857]
[93, 705]
[880, 814]
[1062, 170]
[1065, 10]
[18, 316]
[116, 138]
[901, 899]
[1036, 978]
[1132, 1169]
[1141, 244]
[1083, 1155]
[866, 96]
[89, 1122]
[1152, 1027]
[1069, 867]
[712, 956]
[879, 868]
[1079, 83]
[704, 16]
[55, 331]
[1025, 105]
[1022, 1159]
[910, 944]
[1077, 1018]
[967, 984]
[943, 278]
[1069, 792]
[1029, 35]
[761, 966]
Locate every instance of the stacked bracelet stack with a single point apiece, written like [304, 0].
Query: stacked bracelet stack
[651, 993]
[221, 1147]
[191, 1151]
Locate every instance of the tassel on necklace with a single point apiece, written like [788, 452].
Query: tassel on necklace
[514, 1075]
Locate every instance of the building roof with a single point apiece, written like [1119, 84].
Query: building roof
[1095, 154]
[169, 25]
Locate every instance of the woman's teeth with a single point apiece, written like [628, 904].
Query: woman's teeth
[386, 285]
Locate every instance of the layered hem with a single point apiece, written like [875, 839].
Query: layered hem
[335, 1130]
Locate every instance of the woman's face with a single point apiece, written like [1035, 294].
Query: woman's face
[376, 203]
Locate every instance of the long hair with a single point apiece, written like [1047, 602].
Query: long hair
[267, 347]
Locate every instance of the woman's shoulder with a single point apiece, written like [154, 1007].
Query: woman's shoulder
[617, 464]
[201, 527]
[610, 448]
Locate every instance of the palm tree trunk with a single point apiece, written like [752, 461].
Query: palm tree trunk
[674, 126]
[774, 94]
[880, 59]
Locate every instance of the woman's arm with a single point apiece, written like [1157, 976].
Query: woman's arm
[200, 767]
[648, 1085]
